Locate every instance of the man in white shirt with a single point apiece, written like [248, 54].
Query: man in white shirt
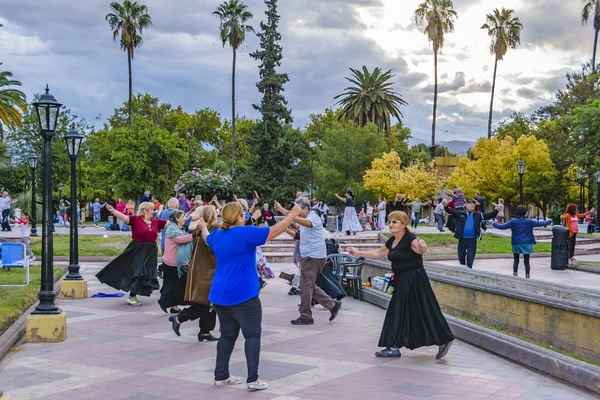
[439, 214]
[5, 202]
[313, 256]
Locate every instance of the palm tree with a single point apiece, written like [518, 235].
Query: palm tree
[12, 103]
[371, 99]
[438, 17]
[505, 31]
[127, 21]
[592, 7]
[234, 17]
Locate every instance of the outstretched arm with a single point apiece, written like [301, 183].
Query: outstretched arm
[120, 215]
[283, 225]
[381, 252]
[340, 198]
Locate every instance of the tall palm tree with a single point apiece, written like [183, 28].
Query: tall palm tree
[438, 18]
[592, 8]
[234, 17]
[505, 31]
[371, 99]
[12, 103]
[127, 21]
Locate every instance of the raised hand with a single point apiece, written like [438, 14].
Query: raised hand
[296, 210]
[353, 251]
[109, 208]
[257, 214]
[422, 246]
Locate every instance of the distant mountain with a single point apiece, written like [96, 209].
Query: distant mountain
[459, 147]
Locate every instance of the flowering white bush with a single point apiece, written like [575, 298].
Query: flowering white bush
[203, 181]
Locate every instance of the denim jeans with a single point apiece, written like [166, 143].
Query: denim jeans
[61, 221]
[416, 220]
[439, 218]
[96, 217]
[468, 248]
[5, 224]
[246, 316]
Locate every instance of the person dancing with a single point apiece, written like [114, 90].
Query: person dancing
[413, 318]
[350, 224]
[135, 269]
[572, 218]
[235, 288]
[199, 280]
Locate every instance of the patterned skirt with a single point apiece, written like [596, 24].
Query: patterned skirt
[351, 222]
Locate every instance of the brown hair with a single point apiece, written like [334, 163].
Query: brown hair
[209, 215]
[230, 214]
[402, 217]
[571, 209]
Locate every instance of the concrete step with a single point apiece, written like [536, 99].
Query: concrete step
[348, 240]
[289, 248]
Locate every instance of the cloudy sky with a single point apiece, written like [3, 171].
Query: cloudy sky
[68, 45]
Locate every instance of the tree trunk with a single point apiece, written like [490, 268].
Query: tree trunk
[594, 51]
[492, 99]
[1, 134]
[435, 92]
[130, 87]
[233, 137]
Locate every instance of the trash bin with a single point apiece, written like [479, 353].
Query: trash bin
[17, 213]
[559, 258]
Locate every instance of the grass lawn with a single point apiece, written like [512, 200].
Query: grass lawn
[93, 245]
[14, 301]
[446, 243]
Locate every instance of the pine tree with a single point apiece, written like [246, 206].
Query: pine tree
[277, 171]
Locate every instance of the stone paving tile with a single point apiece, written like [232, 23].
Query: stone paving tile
[115, 351]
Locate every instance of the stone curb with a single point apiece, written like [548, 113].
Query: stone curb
[17, 329]
[588, 268]
[547, 361]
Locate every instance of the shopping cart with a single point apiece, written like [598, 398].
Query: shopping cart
[14, 255]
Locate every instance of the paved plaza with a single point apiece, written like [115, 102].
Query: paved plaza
[115, 351]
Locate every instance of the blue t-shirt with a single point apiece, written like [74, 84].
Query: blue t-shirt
[469, 231]
[236, 279]
[164, 215]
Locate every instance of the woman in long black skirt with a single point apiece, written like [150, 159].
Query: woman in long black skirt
[413, 318]
[135, 269]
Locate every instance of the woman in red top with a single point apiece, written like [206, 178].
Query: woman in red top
[135, 269]
[572, 221]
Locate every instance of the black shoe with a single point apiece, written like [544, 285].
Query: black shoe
[443, 350]
[262, 284]
[388, 353]
[174, 324]
[303, 321]
[174, 310]
[162, 308]
[294, 291]
[208, 338]
[159, 273]
[347, 233]
[335, 309]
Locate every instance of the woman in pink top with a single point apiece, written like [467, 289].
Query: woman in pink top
[175, 260]
[572, 221]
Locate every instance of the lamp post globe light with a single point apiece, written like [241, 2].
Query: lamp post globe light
[73, 141]
[60, 188]
[597, 228]
[47, 110]
[32, 160]
[521, 171]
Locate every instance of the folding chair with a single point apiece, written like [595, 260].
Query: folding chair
[14, 255]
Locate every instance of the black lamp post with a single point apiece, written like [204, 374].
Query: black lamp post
[521, 171]
[312, 171]
[60, 188]
[581, 177]
[47, 110]
[73, 141]
[32, 159]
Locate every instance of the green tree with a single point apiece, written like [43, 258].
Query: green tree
[438, 17]
[517, 125]
[12, 103]
[127, 21]
[505, 31]
[592, 9]
[586, 139]
[371, 99]
[234, 17]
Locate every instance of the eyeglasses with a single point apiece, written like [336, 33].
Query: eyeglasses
[395, 222]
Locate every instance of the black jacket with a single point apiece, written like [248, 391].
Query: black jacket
[460, 218]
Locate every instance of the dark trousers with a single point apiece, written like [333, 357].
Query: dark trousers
[525, 260]
[439, 218]
[467, 248]
[310, 269]
[207, 315]
[572, 241]
[5, 224]
[246, 316]
[415, 222]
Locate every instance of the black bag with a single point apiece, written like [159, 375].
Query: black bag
[332, 246]
[329, 283]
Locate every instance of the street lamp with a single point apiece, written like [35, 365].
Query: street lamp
[47, 110]
[60, 188]
[73, 141]
[521, 171]
[597, 228]
[312, 170]
[32, 159]
[581, 177]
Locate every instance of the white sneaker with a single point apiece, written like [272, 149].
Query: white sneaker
[232, 380]
[258, 385]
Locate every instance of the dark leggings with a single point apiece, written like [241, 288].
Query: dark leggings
[516, 263]
[207, 315]
[246, 316]
[572, 240]
[131, 294]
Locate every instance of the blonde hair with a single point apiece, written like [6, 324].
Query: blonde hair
[230, 214]
[402, 217]
[208, 214]
[501, 200]
[146, 205]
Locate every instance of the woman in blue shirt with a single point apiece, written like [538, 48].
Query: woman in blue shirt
[235, 287]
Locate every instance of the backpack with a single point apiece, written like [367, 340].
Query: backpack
[115, 227]
[125, 228]
[108, 226]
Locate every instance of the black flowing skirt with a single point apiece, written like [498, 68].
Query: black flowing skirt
[134, 270]
[414, 317]
[173, 287]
